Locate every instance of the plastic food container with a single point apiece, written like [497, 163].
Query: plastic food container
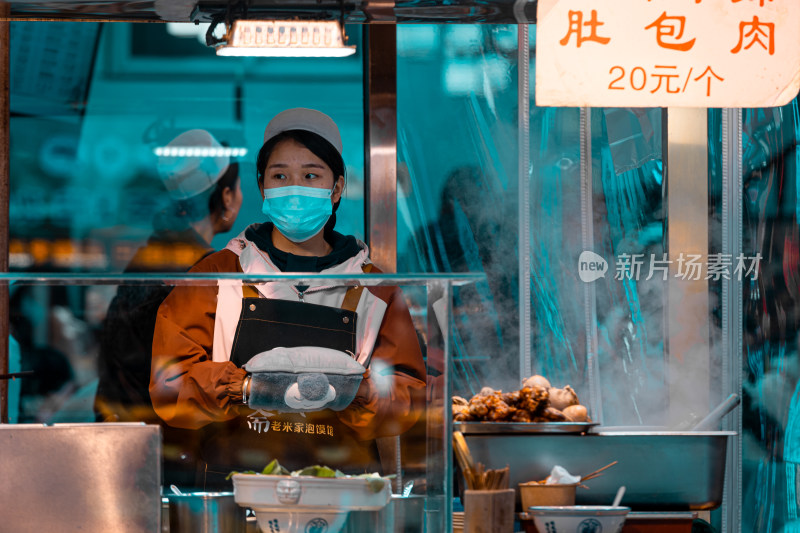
[305, 504]
[535, 494]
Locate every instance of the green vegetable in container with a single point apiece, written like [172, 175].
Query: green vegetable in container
[274, 468]
[375, 481]
[317, 471]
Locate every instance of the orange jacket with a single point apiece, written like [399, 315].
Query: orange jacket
[191, 385]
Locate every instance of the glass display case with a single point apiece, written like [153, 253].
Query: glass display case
[678, 208]
[647, 258]
[83, 369]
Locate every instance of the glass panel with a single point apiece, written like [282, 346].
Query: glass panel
[557, 333]
[771, 403]
[627, 217]
[465, 218]
[457, 208]
[83, 349]
[90, 200]
[91, 106]
[629, 221]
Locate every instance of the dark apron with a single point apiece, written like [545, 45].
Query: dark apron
[296, 440]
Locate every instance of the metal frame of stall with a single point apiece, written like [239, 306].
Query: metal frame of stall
[686, 154]
[5, 42]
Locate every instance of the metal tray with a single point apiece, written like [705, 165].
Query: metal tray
[476, 428]
[662, 471]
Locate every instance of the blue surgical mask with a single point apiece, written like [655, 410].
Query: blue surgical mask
[298, 212]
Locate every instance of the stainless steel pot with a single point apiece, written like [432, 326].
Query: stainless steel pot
[403, 514]
[409, 513]
[205, 512]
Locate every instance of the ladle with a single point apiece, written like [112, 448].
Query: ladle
[712, 419]
[618, 497]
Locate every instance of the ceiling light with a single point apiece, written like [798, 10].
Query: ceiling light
[291, 38]
[198, 151]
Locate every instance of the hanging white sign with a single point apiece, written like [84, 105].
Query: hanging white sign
[667, 53]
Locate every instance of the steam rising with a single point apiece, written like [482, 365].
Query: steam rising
[477, 230]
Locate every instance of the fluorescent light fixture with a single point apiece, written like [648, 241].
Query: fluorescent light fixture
[198, 151]
[290, 38]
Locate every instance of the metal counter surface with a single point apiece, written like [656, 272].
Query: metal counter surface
[80, 477]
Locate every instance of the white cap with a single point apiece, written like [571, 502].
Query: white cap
[190, 174]
[301, 118]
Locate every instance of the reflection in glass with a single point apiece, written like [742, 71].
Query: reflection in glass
[771, 319]
[456, 207]
[90, 108]
[204, 200]
[34, 296]
[462, 216]
[57, 343]
[205, 197]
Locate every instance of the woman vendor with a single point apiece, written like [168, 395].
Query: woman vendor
[309, 374]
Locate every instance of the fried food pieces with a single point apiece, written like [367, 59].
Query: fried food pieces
[524, 405]
[536, 401]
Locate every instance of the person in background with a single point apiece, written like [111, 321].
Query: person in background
[53, 378]
[306, 374]
[204, 200]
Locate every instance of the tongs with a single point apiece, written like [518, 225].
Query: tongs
[463, 454]
[15, 375]
[592, 475]
[597, 473]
